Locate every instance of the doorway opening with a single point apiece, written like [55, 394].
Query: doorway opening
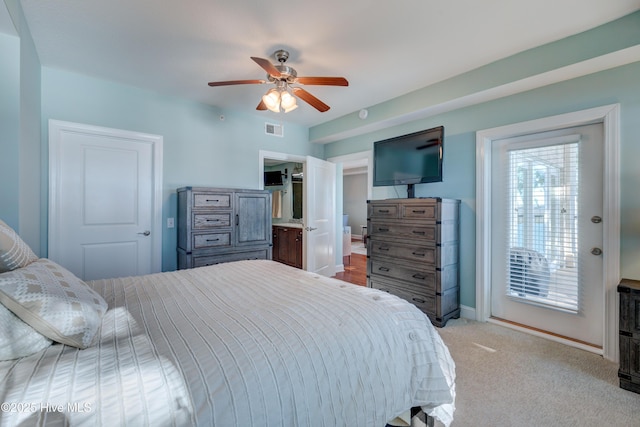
[356, 190]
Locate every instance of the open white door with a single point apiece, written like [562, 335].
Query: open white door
[319, 216]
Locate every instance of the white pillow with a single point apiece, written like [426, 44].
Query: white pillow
[17, 339]
[54, 302]
[14, 252]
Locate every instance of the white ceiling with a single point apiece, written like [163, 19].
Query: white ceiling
[384, 48]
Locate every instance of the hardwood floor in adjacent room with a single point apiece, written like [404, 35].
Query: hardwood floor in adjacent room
[356, 271]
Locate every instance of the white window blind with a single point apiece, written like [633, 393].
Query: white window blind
[542, 228]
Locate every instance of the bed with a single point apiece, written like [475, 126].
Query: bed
[248, 343]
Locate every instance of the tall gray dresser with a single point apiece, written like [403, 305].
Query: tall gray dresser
[413, 252]
[218, 225]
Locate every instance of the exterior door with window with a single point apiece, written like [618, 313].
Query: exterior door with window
[547, 202]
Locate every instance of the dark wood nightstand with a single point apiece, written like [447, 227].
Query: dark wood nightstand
[629, 372]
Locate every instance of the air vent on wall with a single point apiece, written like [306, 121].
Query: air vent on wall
[273, 129]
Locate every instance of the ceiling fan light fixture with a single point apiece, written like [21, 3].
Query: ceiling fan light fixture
[288, 102]
[283, 96]
[272, 100]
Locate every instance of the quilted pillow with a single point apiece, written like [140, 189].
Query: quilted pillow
[14, 252]
[54, 302]
[17, 339]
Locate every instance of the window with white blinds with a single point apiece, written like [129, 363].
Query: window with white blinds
[542, 228]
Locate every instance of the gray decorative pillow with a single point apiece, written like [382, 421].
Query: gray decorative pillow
[14, 252]
[17, 339]
[54, 302]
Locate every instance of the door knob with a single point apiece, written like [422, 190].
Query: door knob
[596, 219]
[596, 251]
[146, 233]
[310, 228]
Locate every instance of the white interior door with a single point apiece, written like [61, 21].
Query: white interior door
[319, 216]
[104, 198]
[547, 208]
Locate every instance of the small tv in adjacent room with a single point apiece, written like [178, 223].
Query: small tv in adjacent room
[410, 159]
[272, 178]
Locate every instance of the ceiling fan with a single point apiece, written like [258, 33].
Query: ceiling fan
[281, 97]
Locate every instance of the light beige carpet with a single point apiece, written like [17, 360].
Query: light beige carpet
[508, 378]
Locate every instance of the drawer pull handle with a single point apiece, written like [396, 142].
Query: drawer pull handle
[383, 248]
[419, 212]
[383, 230]
[213, 240]
[384, 211]
[418, 300]
[417, 254]
[213, 220]
[421, 233]
[419, 276]
[383, 269]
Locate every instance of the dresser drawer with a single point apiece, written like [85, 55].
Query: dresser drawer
[380, 210]
[204, 260]
[211, 220]
[211, 240]
[211, 200]
[420, 211]
[421, 253]
[425, 278]
[384, 229]
[424, 302]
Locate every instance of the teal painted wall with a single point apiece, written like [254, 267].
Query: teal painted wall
[199, 148]
[9, 128]
[620, 85]
[25, 152]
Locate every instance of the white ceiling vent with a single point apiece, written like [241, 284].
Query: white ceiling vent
[273, 129]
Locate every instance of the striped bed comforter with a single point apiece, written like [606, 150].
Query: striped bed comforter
[249, 343]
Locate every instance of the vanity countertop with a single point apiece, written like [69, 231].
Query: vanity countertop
[287, 224]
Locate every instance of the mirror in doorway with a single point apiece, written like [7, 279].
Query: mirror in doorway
[287, 195]
[296, 190]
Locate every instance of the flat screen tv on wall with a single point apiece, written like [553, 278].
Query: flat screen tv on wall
[409, 159]
[272, 178]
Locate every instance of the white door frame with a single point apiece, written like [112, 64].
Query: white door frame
[609, 115]
[285, 157]
[273, 155]
[56, 127]
[359, 159]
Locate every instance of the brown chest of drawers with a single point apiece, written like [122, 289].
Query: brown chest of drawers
[412, 252]
[629, 372]
[221, 225]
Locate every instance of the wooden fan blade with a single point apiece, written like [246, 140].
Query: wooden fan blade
[310, 99]
[267, 66]
[261, 106]
[237, 82]
[325, 81]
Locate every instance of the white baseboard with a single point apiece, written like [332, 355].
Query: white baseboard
[468, 312]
